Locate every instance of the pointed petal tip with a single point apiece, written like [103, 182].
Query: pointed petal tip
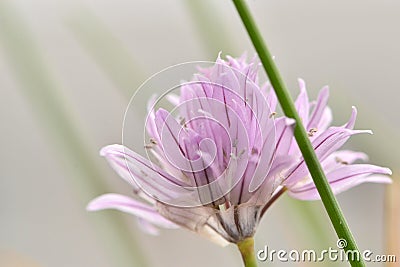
[324, 93]
[302, 84]
[93, 205]
[129, 205]
[379, 178]
[289, 121]
[161, 116]
[353, 132]
[151, 102]
[363, 156]
[104, 151]
[219, 59]
[381, 171]
[388, 171]
[350, 124]
[354, 112]
[148, 227]
[325, 89]
[102, 202]
[243, 56]
[89, 206]
[369, 132]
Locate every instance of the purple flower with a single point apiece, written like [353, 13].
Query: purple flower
[227, 156]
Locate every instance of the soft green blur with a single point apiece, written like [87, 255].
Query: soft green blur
[68, 69]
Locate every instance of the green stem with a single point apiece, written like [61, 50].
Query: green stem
[106, 50]
[210, 27]
[331, 205]
[246, 248]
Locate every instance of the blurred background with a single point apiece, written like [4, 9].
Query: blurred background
[69, 68]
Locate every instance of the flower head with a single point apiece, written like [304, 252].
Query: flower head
[226, 157]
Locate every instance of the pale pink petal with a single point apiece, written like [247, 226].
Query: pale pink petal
[325, 121]
[263, 153]
[279, 146]
[149, 178]
[344, 178]
[129, 205]
[173, 99]
[325, 144]
[150, 123]
[147, 227]
[272, 100]
[319, 108]
[341, 157]
[302, 103]
[350, 124]
[284, 135]
[171, 133]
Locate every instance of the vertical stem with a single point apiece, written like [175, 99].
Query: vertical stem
[106, 50]
[210, 27]
[330, 203]
[246, 248]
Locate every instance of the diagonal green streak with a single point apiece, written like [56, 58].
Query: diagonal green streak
[40, 89]
[209, 28]
[106, 50]
[328, 199]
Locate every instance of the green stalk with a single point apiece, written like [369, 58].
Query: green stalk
[209, 27]
[246, 248]
[111, 55]
[330, 203]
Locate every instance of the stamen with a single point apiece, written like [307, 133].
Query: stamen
[241, 153]
[312, 132]
[182, 121]
[273, 114]
[226, 205]
[235, 143]
[222, 207]
[151, 144]
[339, 160]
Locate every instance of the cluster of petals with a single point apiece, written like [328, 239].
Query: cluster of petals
[227, 156]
